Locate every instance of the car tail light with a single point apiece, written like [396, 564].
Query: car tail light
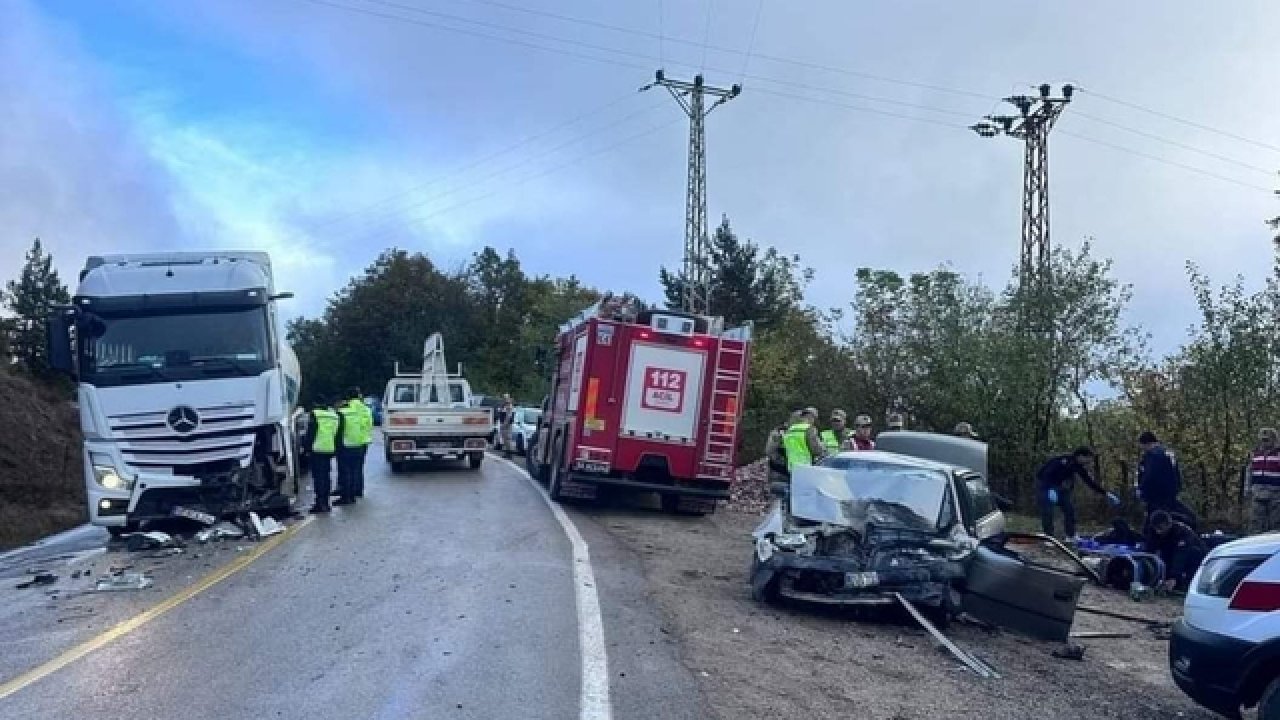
[403, 420]
[1256, 596]
[1221, 576]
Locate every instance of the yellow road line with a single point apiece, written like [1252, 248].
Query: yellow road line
[41, 671]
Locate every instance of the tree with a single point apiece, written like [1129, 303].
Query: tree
[31, 298]
[746, 283]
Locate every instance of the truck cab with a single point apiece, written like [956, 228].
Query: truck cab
[184, 382]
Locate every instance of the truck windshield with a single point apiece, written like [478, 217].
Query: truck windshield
[141, 349]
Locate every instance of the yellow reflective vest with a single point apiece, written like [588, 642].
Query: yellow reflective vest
[326, 431]
[795, 441]
[352, 426]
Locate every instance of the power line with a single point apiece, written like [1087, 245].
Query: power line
[720, 49]
[468, 166]
[859, 108]
[1174, 143]
[751, 41]
[1164, 160]
[553, 169]
[510, 168]
[1183, 121]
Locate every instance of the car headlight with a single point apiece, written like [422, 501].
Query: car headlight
[106, 474]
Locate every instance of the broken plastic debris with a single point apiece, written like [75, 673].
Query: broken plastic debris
[39, 578]
[267, 527]
[149, 541]
[1070, 651]
[124, 581]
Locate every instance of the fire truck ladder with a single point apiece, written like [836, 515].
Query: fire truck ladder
[726, 392]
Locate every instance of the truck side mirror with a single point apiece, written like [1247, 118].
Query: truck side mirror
[58, 339]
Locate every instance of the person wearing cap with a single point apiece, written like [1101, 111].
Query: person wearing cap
[861, 439]
[964, 429]
[1055, 484]
[835, 437]
[801, 442]
[1160, 480]
[1262, 484]
[895, 422]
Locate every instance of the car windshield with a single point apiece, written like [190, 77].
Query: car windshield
[141, 349]
[855, 492]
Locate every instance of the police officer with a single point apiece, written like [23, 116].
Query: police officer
[366, 436]
[321, 440]
[350, 447]
[801, 441]
[1055, 482]
[837, 435]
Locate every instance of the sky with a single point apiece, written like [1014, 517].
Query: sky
[325, 131]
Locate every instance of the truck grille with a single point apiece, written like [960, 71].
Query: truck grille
[224, 436]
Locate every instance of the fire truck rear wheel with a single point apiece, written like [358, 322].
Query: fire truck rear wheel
[557, 469]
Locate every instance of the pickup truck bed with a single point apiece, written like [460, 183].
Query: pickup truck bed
[416, 433]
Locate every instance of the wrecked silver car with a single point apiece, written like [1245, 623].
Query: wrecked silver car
[864, 527]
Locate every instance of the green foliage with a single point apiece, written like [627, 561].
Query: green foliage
[31, 298]
[493, 317]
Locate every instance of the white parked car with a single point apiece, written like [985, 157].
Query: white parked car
[523, 429]
[1225, 651]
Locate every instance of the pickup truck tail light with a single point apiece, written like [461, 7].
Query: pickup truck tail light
[478, 420]
[1256, 596]
[402, 420]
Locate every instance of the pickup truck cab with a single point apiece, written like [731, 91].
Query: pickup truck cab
[419, 428]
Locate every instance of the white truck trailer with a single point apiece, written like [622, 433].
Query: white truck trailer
[185, 383]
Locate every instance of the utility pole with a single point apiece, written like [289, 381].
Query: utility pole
[1036, 117]
[692, 98]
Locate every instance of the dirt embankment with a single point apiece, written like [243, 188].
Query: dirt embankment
[763, 661]
[41, 480]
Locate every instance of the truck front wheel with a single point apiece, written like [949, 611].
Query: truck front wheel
[474, 460]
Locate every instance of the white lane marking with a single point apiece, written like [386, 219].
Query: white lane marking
[593, 704]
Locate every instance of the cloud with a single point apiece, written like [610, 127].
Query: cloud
[71, 168]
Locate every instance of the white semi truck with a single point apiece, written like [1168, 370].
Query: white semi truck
[186, 385]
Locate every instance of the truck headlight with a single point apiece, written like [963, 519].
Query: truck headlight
[106, 474]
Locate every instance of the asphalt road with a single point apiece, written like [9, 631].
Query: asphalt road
[444, 593]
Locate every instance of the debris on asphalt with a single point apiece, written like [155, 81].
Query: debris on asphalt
[137, 542]
[38, 578]
[166, 552]
[224, 529]
[265, 528]
[980, 668]
[1070, 651]
[199, 516]
[1101, 635]
[124, 581]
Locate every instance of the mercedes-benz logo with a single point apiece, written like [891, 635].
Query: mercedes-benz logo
[183, 419]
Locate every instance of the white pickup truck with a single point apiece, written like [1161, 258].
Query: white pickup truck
[428, 415]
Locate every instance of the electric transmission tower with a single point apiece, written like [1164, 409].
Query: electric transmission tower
[692, 98]
[1036, 117]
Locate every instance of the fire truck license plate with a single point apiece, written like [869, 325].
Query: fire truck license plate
[663, 389]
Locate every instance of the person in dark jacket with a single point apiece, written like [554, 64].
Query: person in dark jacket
[1055, 481]
[1181, 549]
[1160, 481]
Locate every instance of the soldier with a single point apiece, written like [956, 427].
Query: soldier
[1262, 484]
[861, 439]
[838, 434]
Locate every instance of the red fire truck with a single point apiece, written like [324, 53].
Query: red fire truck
[643, 399]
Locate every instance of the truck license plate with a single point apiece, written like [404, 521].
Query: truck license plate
[440, 445]
[593, 467]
